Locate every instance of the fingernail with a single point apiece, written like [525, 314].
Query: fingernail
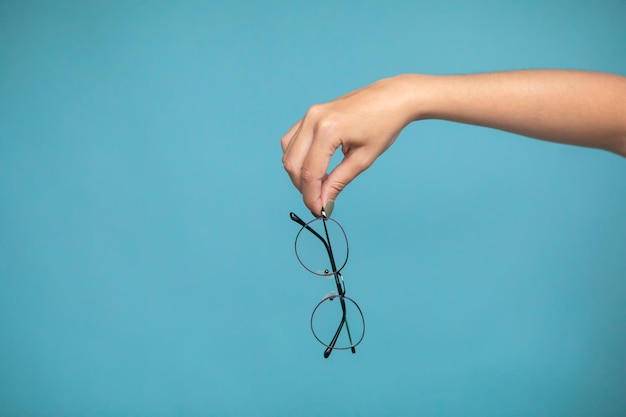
[328, 208]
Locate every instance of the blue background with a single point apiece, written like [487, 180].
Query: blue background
[146, 258]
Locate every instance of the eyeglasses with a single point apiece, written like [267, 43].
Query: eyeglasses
[315, 253]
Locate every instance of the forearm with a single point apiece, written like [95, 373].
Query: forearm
[574, 107]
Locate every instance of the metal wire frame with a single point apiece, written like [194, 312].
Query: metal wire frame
[339, 282]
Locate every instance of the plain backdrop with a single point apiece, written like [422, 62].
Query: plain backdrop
[146, 250]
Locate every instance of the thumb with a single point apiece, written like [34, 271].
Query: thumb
[349, 168]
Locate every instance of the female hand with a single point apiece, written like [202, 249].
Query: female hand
[363, 123]
[573, 107]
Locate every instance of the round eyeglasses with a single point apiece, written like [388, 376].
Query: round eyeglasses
[322, 248]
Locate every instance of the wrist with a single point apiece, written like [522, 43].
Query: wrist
[420, 95]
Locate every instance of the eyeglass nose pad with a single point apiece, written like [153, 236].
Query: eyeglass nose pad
[325, 273]
[331, 296]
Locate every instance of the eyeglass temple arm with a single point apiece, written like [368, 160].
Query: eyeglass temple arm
[332, 343]
[341, 300]
[302, 223]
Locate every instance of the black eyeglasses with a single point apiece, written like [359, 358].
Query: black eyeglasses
[314, 251]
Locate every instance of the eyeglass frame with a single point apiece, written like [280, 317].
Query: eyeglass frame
[341, 292]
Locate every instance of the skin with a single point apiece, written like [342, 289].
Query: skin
[571, 107]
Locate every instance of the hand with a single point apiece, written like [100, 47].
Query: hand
[363, 123]
[573, 107]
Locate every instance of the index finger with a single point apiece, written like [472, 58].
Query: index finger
[314, 169]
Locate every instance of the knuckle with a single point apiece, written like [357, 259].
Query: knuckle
[324, 122]
[307, 174]
[284, 142]
[327, 127]
[363, 162]
[322, 119]
[289, 165]
[315, 111]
